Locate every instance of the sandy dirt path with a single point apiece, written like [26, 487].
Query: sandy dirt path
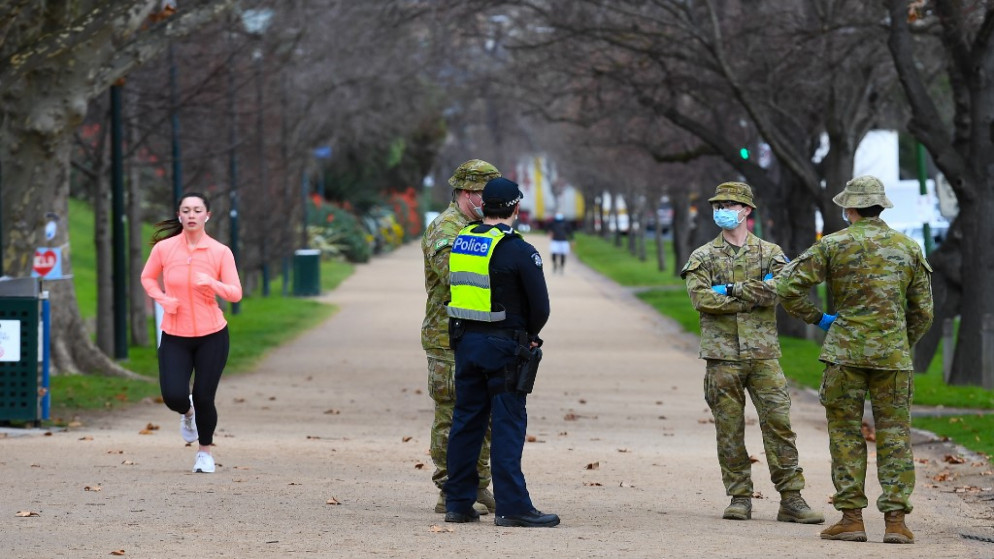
[623, 451]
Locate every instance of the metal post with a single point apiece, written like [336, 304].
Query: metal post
[923, 190]
[117, 227]
[261, 147]
[233, 169]
[304, 191]
[987, 351]
[46, 355]
[948, 349]
[174, 119]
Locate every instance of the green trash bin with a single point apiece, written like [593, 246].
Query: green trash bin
[19, 349]
[306, 272]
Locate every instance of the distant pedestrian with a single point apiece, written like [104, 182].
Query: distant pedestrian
[730, 282]
[561, 234]
[194, 269]
[499, 305]
[467, 184]
[881, 286]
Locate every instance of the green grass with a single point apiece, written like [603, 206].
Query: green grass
[262, 324]
[800, 357]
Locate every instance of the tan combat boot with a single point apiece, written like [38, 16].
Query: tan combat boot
[793, 508]
[739, 509]
[486, 498]
[849, 529]
[478, 507]
[897, 531]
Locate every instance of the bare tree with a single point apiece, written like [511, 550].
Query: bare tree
[963, 149]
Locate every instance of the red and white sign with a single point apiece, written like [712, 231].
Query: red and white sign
[47, 263]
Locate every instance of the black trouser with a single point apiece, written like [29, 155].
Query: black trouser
[179, 357]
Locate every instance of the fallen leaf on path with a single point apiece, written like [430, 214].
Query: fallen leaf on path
[708, 420]
[315, 437]
[74, 424]
[118, 552]
[26, 513]
[593, 466]
[419, 466]
[93, 488]
[967, 489]
[86, 438]
[942, 476]
[332, 412]
[623, 450]
[591, 484]
[953, 459]
[757, 495]
[753, 459]
[406, 439]
[115, 452]
[272, 398]
[152, 427]
[128, 463]
[239, 400]
[332, 501]
[439, 529]
[570, 417]
[48, 433]
[563, 433]
[146, 432]
[659, 402]
[241, 468]
[531, 438]
[625, 484]
[582, 401]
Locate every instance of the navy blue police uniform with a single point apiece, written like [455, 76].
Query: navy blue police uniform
[484, 350]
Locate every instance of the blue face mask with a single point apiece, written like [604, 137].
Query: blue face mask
[727, 219]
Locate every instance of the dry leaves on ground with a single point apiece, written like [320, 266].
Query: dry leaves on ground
[26, 513]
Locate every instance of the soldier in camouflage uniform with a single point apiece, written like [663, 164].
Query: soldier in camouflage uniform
[467, 184]
[880, 282]
[730, 283]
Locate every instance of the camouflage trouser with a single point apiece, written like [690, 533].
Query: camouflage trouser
[725, 385]
[442, 389]
[843, 393]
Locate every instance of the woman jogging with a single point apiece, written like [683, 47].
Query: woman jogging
[194, 269]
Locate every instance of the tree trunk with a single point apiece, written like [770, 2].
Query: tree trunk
[138, 300]
[35, 147]
[977, 296]
[104, 255]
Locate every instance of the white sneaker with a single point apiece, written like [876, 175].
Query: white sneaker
[204, 464]
[188, 425]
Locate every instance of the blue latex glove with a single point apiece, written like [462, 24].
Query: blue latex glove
[768, 276]
[720, 289]
[826, 321]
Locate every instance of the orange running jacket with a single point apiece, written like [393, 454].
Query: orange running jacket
[191, 310]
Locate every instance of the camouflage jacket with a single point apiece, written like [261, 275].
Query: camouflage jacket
[881, 285]
[436, 244]
[743, 324]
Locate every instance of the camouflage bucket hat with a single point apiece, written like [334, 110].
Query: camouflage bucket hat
[735, 192]
[473, 175]
[863, 192]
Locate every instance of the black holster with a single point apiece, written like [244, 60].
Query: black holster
[522, 379]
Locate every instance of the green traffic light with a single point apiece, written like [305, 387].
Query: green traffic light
[744, 153]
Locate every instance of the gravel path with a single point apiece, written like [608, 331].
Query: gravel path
[322, 451]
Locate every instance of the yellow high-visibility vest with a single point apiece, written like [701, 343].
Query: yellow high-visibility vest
[469, 275]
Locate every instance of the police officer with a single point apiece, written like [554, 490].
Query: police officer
[499, 304]
[730, 284]
[467, 185]
[880, 282]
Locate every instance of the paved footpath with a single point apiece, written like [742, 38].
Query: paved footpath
[323, 452]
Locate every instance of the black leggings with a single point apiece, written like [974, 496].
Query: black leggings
[178, 358]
